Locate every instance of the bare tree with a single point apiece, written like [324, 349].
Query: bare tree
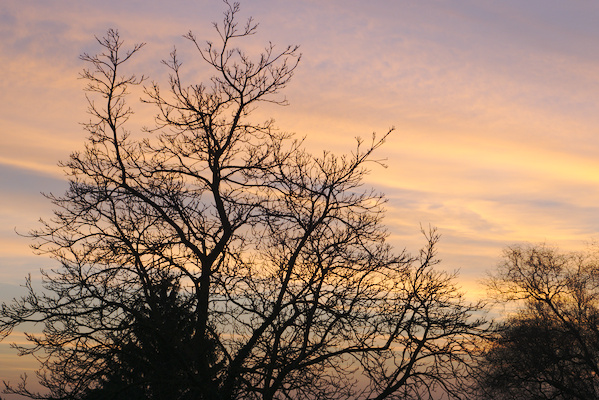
[218, 253]
[549, 348]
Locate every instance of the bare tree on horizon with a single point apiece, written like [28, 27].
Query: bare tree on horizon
[548, 347]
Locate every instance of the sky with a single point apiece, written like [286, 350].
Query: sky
[495, 106]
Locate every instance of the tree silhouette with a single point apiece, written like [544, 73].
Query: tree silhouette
[157, 352]
[216, 259]
[549, 349]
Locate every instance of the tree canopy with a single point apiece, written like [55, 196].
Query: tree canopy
[215, 258]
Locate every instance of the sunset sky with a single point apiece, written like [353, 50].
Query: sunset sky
[495, 105]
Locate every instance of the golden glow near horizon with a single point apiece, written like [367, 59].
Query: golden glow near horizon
[495, 105]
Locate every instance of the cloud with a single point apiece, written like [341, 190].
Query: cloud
[21, 206]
